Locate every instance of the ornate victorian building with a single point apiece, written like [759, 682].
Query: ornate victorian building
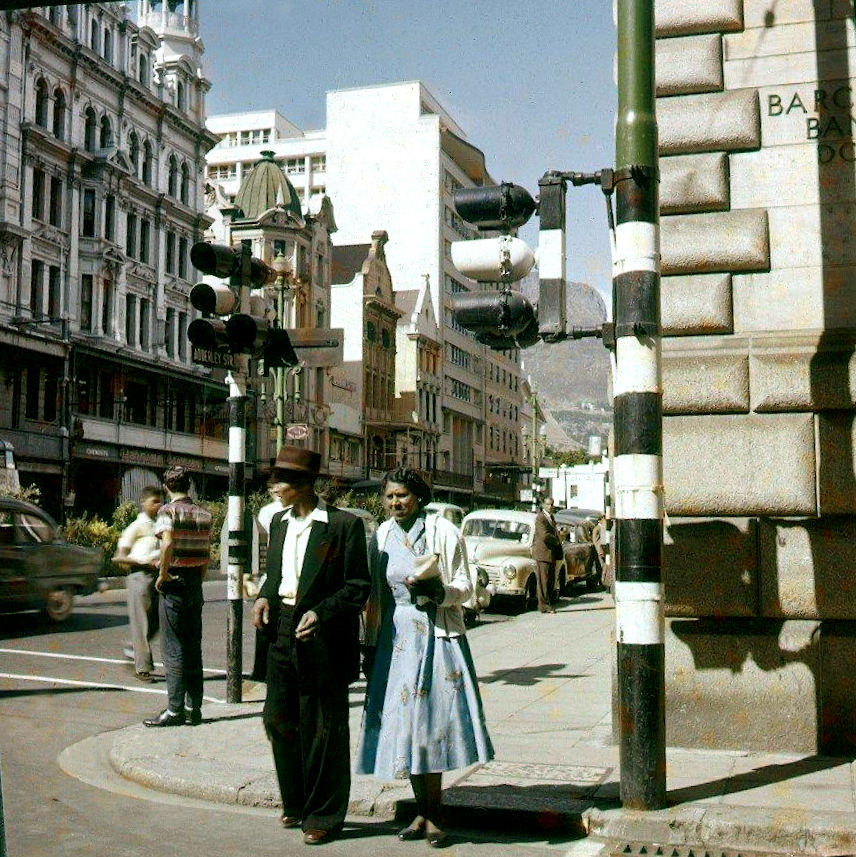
[100, 192]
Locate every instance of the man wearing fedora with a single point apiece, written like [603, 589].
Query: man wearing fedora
[317, 582]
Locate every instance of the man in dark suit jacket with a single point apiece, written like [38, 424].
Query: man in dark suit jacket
[546, 549]
[317, 583]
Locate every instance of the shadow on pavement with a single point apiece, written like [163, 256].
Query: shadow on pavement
[17, 625]
[763, 776]
[528, 676]
[54, 691]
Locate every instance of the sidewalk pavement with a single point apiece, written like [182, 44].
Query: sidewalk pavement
[546, 686]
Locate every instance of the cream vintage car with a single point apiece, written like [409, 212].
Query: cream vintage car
[499, 543]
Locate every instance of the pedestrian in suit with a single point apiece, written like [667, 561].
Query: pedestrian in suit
[317, 582]
[546, 549]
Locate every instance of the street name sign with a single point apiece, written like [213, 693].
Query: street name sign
[211, 357]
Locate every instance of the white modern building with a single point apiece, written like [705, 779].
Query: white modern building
[583, 486]
[391, 158]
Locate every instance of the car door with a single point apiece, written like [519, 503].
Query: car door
[43, 559]
[14, 586]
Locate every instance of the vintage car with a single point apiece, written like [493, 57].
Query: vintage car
[575, 526]
[38, 569]
[499, 543]
[449, 511]
[368, 519]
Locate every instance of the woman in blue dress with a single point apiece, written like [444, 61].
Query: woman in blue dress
[423, 712]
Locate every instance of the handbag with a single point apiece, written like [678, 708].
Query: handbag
[426, 566]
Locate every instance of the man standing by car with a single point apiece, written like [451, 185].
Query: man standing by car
[546, 549]
[317, 582]
[184, 529]
[139, 551]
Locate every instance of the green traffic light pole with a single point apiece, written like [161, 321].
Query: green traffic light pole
[638, 418]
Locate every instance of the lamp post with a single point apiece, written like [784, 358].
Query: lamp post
[536, 439]
[283, 287]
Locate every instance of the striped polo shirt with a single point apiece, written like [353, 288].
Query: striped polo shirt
[190, 526]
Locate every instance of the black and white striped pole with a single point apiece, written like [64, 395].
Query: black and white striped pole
[638, 419]
[237, 546]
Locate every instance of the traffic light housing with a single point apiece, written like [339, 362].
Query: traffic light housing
[234, 321]
[506, 319]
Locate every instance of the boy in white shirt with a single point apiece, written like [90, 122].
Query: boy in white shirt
[139, 550]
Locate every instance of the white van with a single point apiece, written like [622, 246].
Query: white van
[449, 511]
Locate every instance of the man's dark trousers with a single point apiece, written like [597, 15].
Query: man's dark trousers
[181, 639]
[546, 581]
[306, 720]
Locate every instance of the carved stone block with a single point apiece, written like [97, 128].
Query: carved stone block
[836, 477]
[705, 375]
[678, 18]
[696, 304]
[742, 465]
[722, 121]
[694, 183]
[689, 65]
[710, 567]
[806, 568]
[705, 243]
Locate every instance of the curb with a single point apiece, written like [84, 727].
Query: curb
[784, 831]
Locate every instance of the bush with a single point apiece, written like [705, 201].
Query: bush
[370, 502]
[31, 493]
[125, 515]
[95, 533]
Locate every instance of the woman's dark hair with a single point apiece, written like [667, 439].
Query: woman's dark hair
[412, 480]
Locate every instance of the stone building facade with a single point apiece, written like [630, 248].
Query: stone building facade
[100, 192]
[758, 193]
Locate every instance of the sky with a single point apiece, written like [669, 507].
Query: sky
[530, 82]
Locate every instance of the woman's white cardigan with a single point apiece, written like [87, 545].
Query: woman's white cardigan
[443, 538]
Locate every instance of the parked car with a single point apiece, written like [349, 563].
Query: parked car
[368, 519]
[449, 511]
[38, 568]
[575, 526]
[499, 543]
[480, 599]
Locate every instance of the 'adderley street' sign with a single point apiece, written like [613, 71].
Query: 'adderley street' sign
[210, 357]
[297, 431]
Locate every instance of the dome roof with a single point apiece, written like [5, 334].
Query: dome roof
[264, 187]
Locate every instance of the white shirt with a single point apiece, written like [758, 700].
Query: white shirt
[294, 549]
[138, 538]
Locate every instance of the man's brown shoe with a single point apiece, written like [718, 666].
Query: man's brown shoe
[314, 836]
[289, 821]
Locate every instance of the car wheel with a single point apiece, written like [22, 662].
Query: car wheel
[563, 583]
[529, 599]
[470, 617]
[59, 603]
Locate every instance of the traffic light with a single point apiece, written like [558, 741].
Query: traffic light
[505, 318]
[235, 320]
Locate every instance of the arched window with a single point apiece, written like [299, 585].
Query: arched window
[59, 114]
[179, 96]
[93, 36]
[172, 183]
[42, 103]
[134, 151]
[108, 45]
[144, 69]
[106, 136]
[89, 127]
[185, 184]
[147, 162]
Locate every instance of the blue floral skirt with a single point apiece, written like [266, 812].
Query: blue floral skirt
[423, 711]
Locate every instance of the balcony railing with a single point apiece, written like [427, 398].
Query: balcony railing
[453, 479]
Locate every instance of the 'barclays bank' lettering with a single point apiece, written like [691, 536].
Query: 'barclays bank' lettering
[827, 115]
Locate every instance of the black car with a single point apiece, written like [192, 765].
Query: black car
[38, 568]
[575, 527]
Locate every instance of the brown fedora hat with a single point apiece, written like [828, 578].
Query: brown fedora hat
[295, 459]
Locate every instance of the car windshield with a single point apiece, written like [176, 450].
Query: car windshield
[495, 528]
[34, 528]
